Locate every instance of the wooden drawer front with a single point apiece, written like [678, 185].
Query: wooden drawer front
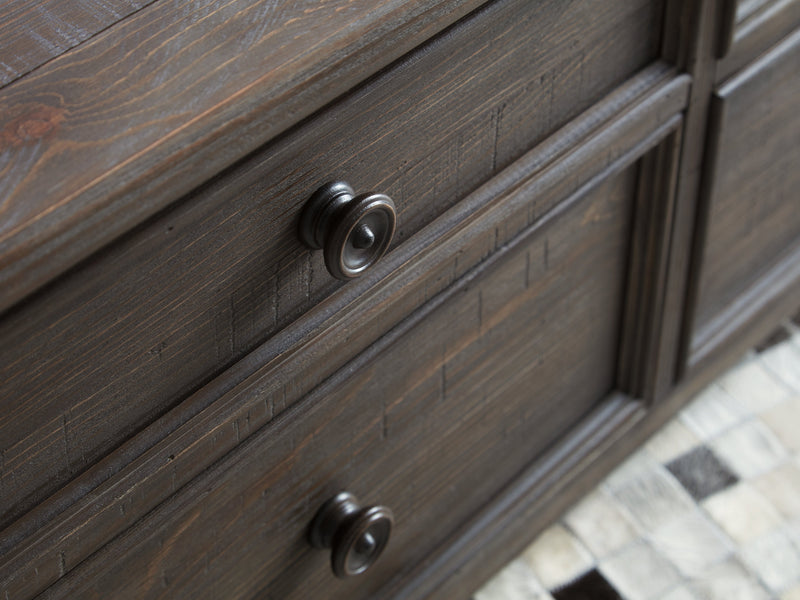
[432, 421]
[752, 231]
[113, 345]
[479, 278]
[753, 27]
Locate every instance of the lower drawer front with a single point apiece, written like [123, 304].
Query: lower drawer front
[432, 421]
[753, 224]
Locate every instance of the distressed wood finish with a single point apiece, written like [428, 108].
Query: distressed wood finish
[443, 415]
[187, 397]
[758, 25]
[104, 136]
[185, 296]
[752, 224]
[601, 143]
[33, 32]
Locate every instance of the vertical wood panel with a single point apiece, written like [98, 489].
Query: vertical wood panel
[753, 219]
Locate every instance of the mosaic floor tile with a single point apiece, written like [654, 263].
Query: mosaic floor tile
[591, 586]
[691, 543]
[792, 594]
[681, 592]
[753, 387]
[557, 557]
[639, 573]
[653, 498]
[749, 449]
[600, 524]
[775, 559]
[516, 582]
[638, 465]
[781, 487]
[793, 529]
[701, 473]
[713, 412]
[782, 361]
[728, 581]
[784, 421]
[742, 512]
[672, 441]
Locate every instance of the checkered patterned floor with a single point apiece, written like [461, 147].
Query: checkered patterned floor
[709, 508]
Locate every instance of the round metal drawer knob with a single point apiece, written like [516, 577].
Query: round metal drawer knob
[356, 535]
[353, 231]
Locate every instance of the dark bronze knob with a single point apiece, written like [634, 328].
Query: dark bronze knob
[353, 231]
[356, 535]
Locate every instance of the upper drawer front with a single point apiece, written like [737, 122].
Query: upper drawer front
[117, 342]
[432, 424]
[754, 26]
[752, 230]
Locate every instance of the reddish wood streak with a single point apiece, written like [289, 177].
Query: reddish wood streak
[38, 122]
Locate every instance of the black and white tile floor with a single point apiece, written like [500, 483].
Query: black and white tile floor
[709, 508]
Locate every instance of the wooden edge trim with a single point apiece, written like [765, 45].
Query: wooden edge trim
[756, 33]
[727, 27]
[641, 367]
[151, 466]
[716, 115]
[751, 74]
[746, 21]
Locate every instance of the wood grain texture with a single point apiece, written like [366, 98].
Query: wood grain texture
[544, 489]
[752, 222]
[533, 500]
[33, 32]
[194, 290]
[159, 486]
[600, 143]
[107, 134]
[760, 24]
[562, 477]
[443, 414]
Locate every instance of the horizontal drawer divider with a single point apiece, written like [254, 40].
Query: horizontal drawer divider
[152, 466]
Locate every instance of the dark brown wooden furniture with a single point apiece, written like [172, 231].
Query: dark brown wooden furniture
[596, 211]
